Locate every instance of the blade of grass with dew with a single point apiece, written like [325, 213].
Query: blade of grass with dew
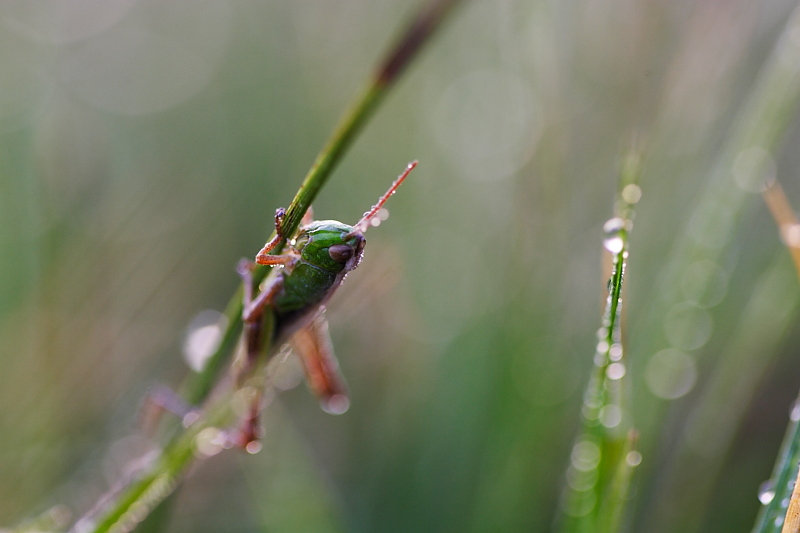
[779, 498]
[602, 459]
[612, 509]
[140, 498]
[202, 439]
[399, 56]
[775, 493]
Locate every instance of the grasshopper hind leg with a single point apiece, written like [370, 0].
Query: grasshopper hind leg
[312, 345]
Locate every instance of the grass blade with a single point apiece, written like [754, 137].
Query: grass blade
[139, 499]
[603, 458]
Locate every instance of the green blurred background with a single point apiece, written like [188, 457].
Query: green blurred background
[145, 144]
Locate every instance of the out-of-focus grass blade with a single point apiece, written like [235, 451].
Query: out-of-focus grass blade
[741, 171]
[711, 425]
[612, 509]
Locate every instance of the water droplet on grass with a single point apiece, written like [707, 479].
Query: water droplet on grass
[585, 456]
[766, 492]
[613, 240]
[633, 458]
[794, 415]
[610, 416]
[615, 371]
[632, 193]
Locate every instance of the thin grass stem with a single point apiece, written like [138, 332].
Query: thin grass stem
[419, 31]
[140, 498]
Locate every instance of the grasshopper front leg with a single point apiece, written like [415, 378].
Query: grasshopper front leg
[273, 243]
[253, 308]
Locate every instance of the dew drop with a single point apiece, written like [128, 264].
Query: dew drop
[190, 418]
[766, 492]
[615, 352]
[613, 225]
[794, 415]
[613, 244]
[585, 456]
[633, 458]
[253, 447]
[336, 405]
[581, 481]
[210, 441]
[613, 240]
[779, 521]
[632, 193]
[203, 338]
[610, 416]
[615, 371]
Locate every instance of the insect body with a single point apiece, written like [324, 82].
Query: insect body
[321, 253]
[318, 259]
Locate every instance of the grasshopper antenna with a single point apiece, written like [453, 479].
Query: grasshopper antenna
[363, 225]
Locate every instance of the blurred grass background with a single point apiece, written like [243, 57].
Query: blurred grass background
[145, 144]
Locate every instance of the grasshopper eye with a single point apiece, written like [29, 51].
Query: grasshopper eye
[340, 253]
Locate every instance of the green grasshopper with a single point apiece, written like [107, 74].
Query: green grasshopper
[318, 258]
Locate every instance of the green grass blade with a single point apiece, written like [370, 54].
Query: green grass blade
[777, 492]
[400, 55]
[140, 498]
[601, 466]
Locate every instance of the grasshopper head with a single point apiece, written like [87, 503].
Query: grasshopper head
[330, 245]
[337, 247]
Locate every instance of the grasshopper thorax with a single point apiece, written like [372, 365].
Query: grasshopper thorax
[330, 245]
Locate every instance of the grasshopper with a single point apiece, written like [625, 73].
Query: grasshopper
[303, 279]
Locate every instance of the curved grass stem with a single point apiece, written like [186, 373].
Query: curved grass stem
[141, 497]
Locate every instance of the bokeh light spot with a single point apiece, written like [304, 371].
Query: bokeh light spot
[688, 326]
[670, 374]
